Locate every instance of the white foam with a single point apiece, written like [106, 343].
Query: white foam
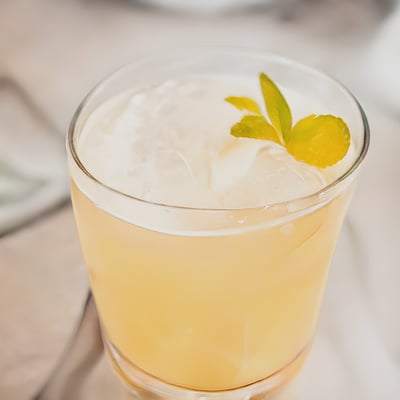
[170, 144]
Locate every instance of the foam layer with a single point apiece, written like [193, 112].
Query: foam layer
[171, 144]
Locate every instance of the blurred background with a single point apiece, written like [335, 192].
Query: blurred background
[52, 52]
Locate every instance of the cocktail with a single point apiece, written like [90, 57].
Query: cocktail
[209, 187]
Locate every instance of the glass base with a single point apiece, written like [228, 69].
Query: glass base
[142, 385]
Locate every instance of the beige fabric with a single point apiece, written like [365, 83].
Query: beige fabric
[57, 50]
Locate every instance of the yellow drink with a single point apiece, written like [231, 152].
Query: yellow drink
[207, 254]
[212, 312]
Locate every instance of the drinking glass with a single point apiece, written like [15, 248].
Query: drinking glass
[200, 303]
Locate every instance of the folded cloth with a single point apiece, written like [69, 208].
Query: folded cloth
[33, 174]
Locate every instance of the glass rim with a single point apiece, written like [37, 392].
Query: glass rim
[237, 51]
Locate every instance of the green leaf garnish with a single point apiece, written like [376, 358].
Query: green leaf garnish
[277, 107]
[255, 127]
[244, 103]
[318, 140]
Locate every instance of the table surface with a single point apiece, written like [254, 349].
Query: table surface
[58, 49]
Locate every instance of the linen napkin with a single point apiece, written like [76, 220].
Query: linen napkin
[33, 174]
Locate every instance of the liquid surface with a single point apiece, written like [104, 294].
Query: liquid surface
[171, 144]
